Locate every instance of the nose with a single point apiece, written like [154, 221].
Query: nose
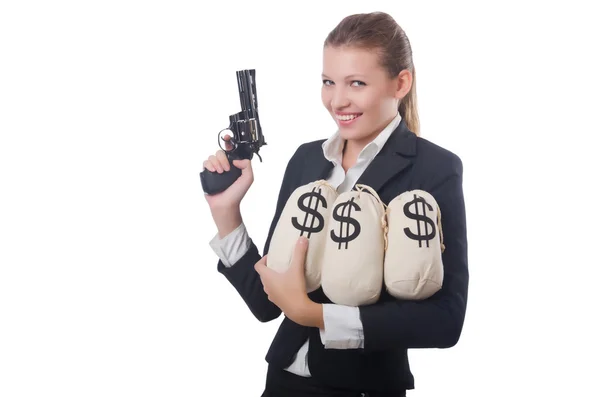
[339, 99]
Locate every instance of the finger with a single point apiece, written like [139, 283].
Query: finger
[265, 286]
[208, 165]
[265, 274]
[261, 266]
[223, 160]
[228, 145]
[215, 163]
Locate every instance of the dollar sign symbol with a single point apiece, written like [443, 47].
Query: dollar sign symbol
[426, 235]
[309, 210]
[345, 219]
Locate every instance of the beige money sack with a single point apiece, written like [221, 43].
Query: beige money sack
[352, 272]
[413, 266]
[306, 213]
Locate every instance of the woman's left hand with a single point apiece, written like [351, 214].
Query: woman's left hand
[288, 289]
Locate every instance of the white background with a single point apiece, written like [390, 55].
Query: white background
[108, 286]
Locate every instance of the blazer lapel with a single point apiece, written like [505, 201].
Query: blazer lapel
[318, 167]
[393, 158]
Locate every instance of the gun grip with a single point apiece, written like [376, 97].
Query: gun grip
[213, 182]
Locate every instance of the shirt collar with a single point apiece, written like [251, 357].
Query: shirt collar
[332, 147]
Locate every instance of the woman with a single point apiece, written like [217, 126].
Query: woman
[322, 348]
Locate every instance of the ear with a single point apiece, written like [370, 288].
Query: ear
[404, 82]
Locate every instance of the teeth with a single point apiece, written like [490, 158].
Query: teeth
[347, 117]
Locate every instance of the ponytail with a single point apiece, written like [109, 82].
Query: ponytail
[408, 107]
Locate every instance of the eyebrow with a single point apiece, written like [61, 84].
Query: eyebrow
[352, 76]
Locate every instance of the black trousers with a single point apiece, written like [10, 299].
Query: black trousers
[281, 383]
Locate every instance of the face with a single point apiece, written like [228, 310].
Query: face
[358, 92]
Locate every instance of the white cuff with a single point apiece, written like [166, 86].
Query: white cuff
[233, 246]
[343, 328]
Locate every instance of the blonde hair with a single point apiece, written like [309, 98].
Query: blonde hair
[380, 32]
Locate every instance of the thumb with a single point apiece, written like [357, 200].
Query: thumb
[242, 164]
[299, 256]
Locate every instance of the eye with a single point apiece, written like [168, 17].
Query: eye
[326, 82]
[359, 82]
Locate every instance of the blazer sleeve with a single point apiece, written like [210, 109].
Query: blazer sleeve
[242, 274]
[435, 322]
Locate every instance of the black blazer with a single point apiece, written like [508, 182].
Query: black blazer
[391, 326]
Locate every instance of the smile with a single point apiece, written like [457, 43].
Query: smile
[347, 118]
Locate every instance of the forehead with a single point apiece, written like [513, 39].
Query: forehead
[344, 61]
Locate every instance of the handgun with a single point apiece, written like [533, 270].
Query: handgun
[247, 137]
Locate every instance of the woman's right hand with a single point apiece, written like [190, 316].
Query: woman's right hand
[230, 198]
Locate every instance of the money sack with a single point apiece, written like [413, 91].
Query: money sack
[306, 213]
[413, 267]
[352, 270]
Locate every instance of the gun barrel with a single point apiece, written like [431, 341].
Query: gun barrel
[247, 89]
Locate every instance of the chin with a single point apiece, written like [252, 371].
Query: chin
[351, 134]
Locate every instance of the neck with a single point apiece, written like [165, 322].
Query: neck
[352, 148]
